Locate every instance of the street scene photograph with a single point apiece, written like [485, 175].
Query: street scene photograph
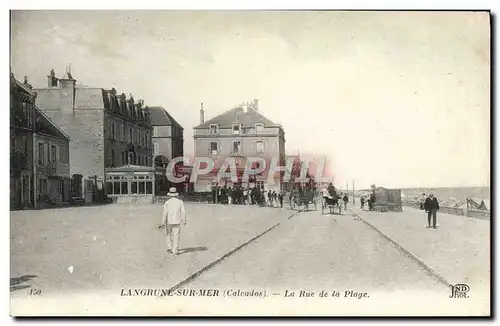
[250, 163]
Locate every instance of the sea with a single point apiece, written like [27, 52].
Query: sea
[459, 193]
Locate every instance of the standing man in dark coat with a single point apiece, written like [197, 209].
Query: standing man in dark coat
[280, 198]
[431, 206]
[371, 201]
[346, 199]
[214, 193]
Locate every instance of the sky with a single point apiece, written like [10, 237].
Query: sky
[396, 99]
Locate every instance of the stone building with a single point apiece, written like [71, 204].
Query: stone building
[239, 132]
[168, 143]
[53, 182]
[106, 129]
[22, 108]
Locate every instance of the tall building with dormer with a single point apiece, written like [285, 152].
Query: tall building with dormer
[239, 132]
[106, 129]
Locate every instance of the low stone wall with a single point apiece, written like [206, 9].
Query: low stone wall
[457, 211]
[485, 215]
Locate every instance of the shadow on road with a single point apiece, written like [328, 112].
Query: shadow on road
[15, 281]
[192, 249]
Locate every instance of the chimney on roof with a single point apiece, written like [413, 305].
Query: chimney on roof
[26, 83]
[202, 114]
[68, 95]
[255, 104]
[52, 79]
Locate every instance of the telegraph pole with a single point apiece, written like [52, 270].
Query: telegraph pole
[353, 200]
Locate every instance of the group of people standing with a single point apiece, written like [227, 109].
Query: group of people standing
[370, 200]
[247, 196]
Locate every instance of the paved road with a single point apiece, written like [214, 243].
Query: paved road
[313, 252]
[459, 249]
[309, 252]
[120, 246]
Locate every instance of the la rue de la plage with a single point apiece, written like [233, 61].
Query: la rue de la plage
[349, 294]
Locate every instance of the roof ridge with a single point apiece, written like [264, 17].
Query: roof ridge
[49, 120]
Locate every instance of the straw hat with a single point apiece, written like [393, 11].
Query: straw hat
[173, 192]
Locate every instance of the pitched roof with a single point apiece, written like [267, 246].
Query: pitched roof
[160, 117]
[237, 115]
[24, 87]
[45, 125]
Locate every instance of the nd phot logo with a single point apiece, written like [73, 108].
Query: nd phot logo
[459, 291]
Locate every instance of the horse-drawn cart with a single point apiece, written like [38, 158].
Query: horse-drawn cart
[304, 199]
[330, 204]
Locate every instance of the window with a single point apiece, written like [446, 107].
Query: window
[124, 188]
[147, 161]
[109, 188]
[130, 134]
[41, 153]
[236, 129]
[214, 147]
[133, 187]
[142, 188]
[156, 148]
[113, 130]
[214, 129]
[149, 188]
[236, 147]
[53, 155]
[116, 187]
[112, 157]
[259, 127]
[260, 147]
[124, 132]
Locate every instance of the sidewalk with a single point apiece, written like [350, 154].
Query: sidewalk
[458, 250]
[120, 246]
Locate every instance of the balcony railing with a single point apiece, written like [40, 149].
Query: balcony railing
[49, 168]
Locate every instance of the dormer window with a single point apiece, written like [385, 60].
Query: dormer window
[259, 128]
[214, 129]
[236, 129]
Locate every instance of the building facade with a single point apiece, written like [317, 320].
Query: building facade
[52, 169]
[239, 132]
[106, 129]
[22, 115]
[168, 143]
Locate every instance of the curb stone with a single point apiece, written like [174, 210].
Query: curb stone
[413, 257]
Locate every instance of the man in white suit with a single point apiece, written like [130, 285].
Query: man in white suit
[173, 215]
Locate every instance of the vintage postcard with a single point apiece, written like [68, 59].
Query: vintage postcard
[250, 163]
